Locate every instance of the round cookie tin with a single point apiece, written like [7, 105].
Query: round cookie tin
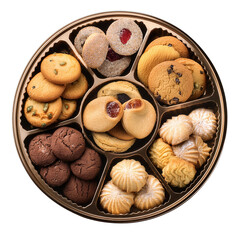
[152, 27]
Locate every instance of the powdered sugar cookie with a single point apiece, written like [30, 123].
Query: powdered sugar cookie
[124, 36]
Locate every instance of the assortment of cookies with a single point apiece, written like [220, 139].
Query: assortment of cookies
[66, 163]
[181, 149]
[118, 118]
[53, 92]
[130, 185]
[110, 52]
[166, 69]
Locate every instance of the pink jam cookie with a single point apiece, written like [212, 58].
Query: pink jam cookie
[114, 64]
[124, 36]
[82, 36]
[95, 50]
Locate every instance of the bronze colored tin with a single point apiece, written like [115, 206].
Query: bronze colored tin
[62, 41]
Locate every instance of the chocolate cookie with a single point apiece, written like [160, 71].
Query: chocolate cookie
[67, 144]
[79, 191]
[88, 166]
[56, 174]
[40, 150]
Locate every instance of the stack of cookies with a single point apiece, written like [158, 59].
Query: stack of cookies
[119, 116]
[181, 149]
[165, 68]
[109, 53]
[66, 164]
[131, 185]
[54, 90]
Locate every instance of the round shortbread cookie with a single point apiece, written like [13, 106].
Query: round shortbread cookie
[60, 68]
[82, 36]
[42, 90]
[68, 108]
[42, 114]
[76, 89]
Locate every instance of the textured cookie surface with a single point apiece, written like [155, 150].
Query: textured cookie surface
[178, 172]
[199, 76]
[42, 114]
[79, 191]
[204, 123]
[171, 82]
[76, 89]
[95, 50]
[114, 200]
[56, 174]
[153, 57]
[87, 166]
[68, 108]
[170, 42]
[82, 36]
[176, 130]
[40, 150]
[151, 195]
[67, 144]
[60, 68]
[42, 90]
[129, 175]
[124, 36]
[112, 144]
[160, 153]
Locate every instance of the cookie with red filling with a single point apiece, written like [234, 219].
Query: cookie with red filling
[114, 64]
[124, 36]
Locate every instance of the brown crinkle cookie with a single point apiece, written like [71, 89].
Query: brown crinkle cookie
[88, 166]
[67, 144]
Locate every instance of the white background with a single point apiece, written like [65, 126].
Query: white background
[27, 213]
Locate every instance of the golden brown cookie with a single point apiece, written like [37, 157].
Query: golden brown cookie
[114, 200]
[111, 144]
[42, 114]
[95, 50]
[199, 76]
[171, 82]
[60, 68]
[41, 90]
[160, 153]
[68, 108]
[139, 117]
[151, 195]
[76, 89]
[170, 42]
[129, 175]
[153, 57]
[178, 172]
[122, 90]
[102, 114]
[119, 132]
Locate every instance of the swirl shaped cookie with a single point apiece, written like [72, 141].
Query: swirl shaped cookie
[129, 175]
[187, 151]
[160, 153]
[178, 172]
[151, 195]
[114, 200]
[203, 150]
[176, 130]
[204, 123]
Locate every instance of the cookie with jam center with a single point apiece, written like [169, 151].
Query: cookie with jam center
[124, 36]
[171, 82]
